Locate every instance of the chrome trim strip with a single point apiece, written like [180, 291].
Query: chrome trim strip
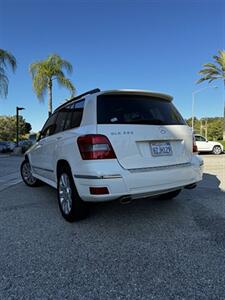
[43, 169]
[149, 169]
[98, 176]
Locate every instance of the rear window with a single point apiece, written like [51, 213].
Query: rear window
[136, 109]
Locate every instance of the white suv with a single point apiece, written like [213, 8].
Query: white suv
[204, 145]
[114, 144]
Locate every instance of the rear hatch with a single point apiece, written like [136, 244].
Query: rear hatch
[145, 130]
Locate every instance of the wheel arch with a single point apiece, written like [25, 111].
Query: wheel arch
[62, 163]
[26, 157]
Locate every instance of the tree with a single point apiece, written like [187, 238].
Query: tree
[215, 71]
[6, 59]
[8, 127]
[45, 71]
[214, 127]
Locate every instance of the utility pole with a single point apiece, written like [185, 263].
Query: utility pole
[193, 103]
[204, 126]
[17, 124]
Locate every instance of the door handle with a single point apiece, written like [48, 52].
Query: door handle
[58, 138]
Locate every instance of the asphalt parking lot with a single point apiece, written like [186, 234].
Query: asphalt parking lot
[147, 249]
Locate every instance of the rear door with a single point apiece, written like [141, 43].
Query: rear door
[145, 131]
[40, 154]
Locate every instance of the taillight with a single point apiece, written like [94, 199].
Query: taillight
[195, 148]
[95, 146]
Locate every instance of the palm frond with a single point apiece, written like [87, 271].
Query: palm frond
[213, 78]
[220, 59]
[67, 66]
[2, 71]
[62, 81]
[214, 71]
[209, 71]
[59, 63]
[37, 67]
[7, 58]
[213, 67]
[40, 85]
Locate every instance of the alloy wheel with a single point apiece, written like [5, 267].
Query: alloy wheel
[216, 150]
[27, 175]
[65, 193]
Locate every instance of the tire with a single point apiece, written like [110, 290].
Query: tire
[217, 150]
[170, 195]
[72, 207]
[27, 176]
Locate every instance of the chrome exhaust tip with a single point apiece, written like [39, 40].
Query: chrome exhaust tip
[125, 200]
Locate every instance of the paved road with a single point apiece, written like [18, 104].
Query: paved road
[9, 170]
[144, 250]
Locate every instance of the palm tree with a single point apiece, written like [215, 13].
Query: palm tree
[215, 71]
[45, 71]
[6, 59]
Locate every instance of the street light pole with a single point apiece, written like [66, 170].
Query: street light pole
[17, 124]
[193, 102]
[192, 114]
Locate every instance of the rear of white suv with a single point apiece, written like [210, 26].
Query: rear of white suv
[129, 144]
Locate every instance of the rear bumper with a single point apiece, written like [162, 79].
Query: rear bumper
[138, 183]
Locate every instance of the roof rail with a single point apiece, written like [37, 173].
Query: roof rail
[78, 97]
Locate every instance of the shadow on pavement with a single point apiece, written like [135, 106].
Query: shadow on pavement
[210, 181]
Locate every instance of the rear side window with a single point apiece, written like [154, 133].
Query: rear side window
[77, 113]
[136, 109]
[69, 116]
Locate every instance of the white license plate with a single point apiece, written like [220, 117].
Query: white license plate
[161, 149]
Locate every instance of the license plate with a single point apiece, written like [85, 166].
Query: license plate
[161, 149]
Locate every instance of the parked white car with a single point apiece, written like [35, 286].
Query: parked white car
[116, 144]
[204, 145]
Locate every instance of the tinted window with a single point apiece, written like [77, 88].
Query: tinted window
[199, 138]
[63, 119]
[67, 124]
[136, 109]
[77, 113]
[69, 116]
[49, 127]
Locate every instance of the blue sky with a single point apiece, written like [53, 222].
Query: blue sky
[156, 45]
